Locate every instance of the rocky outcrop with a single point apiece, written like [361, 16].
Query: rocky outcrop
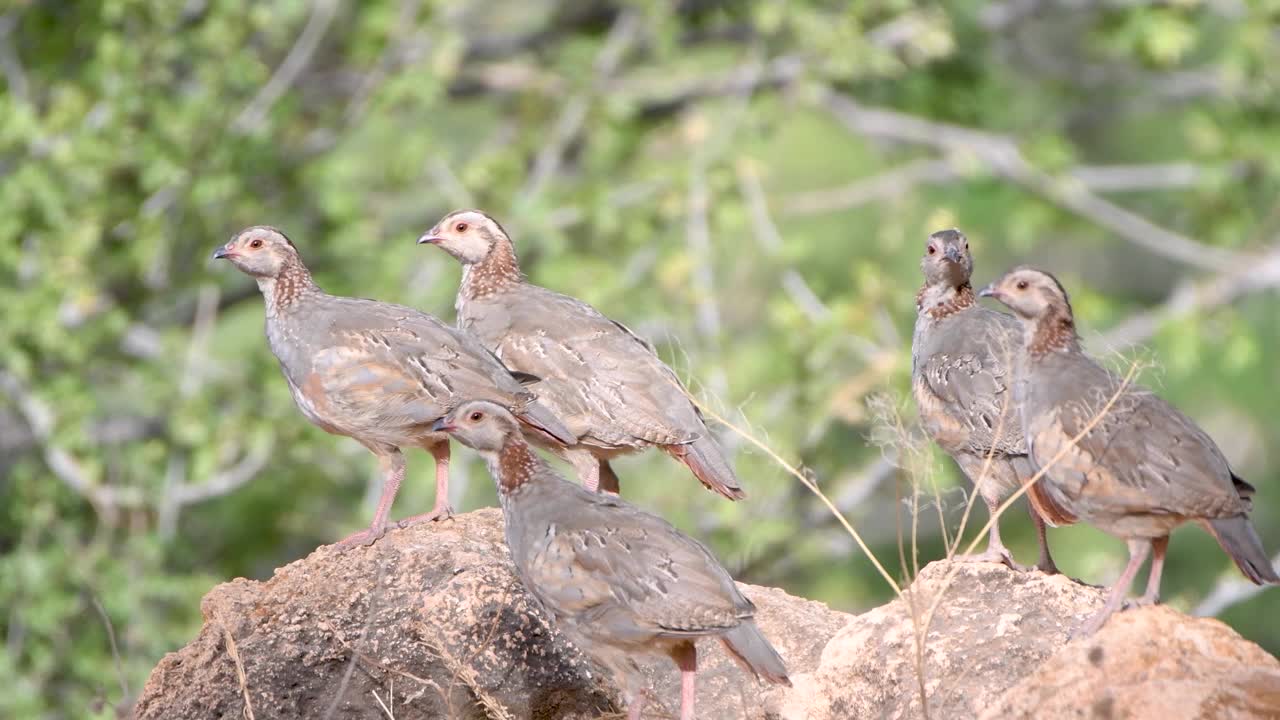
[430, 623]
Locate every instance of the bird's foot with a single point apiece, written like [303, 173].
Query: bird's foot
[999, 554]
[365, 537]
[1141, 602]
[442, 511]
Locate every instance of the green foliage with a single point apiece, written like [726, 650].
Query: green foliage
[137, 136]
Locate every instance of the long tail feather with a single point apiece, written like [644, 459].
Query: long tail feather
[539, 417]
[746, 644]
[708, 465]
[1237, 536]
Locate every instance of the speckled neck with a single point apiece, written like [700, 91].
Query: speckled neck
[517, 465]
[498, 271]
[941, 301]
[284, 291]
[1055, 331]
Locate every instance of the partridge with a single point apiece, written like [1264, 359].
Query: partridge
[962, 372]
[378, 373]
[608, 385]
[1142, 469]
[621, 583]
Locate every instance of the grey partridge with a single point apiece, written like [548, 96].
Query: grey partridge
[378, 373]
[607, 384]
[1140, 471]
[963, 365]
[621, 582]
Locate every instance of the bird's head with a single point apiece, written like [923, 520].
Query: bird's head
[480, 425]
[1031, 294]
[468, 235]
[946, 259]
[260, 251]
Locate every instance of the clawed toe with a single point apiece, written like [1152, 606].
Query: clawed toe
[443, 512]
[365, 537]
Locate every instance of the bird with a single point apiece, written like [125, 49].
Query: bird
[1139, 467]
[375, 372]
[621, 582]
[963, 366]
[607, 384]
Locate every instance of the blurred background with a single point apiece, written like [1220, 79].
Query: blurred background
[748, 184]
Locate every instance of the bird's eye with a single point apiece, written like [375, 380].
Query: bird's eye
[932, 250]
[1022, 285]
[477, 416]
[255, 243]
[966, 245]
[460, 227]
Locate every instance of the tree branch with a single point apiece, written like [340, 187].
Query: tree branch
[253, 114]
[1002, 156]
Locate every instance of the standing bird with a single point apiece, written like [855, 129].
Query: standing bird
[620, 581]
[963, 365]
[608, 385]
[1142, 469]
[378, 373]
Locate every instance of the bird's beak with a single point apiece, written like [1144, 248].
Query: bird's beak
[222, 252]
[441, 425]
[953, 255]
[989, 291]
[430, 237]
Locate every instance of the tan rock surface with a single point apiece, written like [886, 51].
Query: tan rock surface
[433, 616]
[1151, 663]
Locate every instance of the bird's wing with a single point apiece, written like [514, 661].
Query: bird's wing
[634, 572]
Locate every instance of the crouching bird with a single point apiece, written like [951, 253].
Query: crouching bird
[1140, 467]
[378, 373]
[622, 583]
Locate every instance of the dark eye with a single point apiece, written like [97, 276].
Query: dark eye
[460, 227]
[932, 250]
[1022, 285]
[255, 243]
[477, 416]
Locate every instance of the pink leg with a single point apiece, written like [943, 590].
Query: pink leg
[1158, 548]
[686, 657]
[996, 551]
[393, 474]
[1046, 564]
[1138, 550]
[442, 509]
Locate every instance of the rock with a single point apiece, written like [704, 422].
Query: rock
[999, 647]
[1154, 662]
[433, 617]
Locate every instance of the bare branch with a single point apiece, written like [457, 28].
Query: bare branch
[1190, 298]
[40, 418]
[886, 185]
[253, 114]
[1002, 156]
[770, 240]
[14, 74]
[547, 163]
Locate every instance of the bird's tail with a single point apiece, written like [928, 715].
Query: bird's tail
[750, 648]
[704, 458]
[537, 416]
[1237, 536]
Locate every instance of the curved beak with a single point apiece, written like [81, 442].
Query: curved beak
[430, 237]
[953, 255]
[441, 424]
[222, 252]
[989, 291]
